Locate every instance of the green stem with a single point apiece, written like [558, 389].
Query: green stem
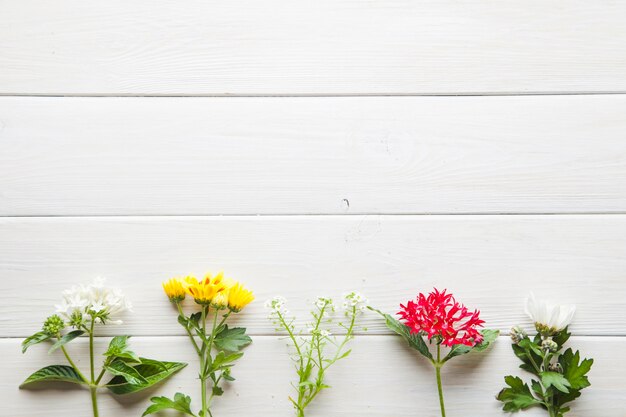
[438, 366]
[91, 365]
[93, 386]
[80, 374]
[203, 353]
[193, 341]
[94, 401]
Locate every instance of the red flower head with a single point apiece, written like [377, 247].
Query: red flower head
[439, 315]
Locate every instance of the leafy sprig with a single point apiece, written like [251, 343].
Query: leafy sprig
[130, 373]
[316, 349]
[559, 376]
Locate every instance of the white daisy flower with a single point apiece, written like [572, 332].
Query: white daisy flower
[549, 318]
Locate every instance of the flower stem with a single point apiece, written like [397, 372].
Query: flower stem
[93, 386]
[94, 400]
[438, 366]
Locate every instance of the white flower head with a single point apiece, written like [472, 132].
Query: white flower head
[324, 302]
[549, 318]
[94, 301]
[354, 300]
[276, 306]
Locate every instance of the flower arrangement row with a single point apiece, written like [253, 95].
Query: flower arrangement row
[435, 324]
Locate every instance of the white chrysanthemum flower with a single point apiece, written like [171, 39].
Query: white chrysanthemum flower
[93, 299]
[549, 318]
[354, 299]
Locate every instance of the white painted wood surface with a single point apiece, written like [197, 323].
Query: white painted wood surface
[382, 377]
[490, 262]
[120, 156]
[322, 47]
[529, 189]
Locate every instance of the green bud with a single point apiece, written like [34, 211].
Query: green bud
[77, 319]
[53, 325]
[549, 345]
[517, 334]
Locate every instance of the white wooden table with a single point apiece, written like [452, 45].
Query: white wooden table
[311, 148]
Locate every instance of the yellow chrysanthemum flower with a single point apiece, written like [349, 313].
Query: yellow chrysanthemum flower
[239, 297]
[205, 290]
[174, 290]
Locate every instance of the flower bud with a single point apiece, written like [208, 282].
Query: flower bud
[549, 345]
[555, 367]
[53, 325]
[518, 334]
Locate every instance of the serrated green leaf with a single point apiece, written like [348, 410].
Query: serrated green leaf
[150, 371]
[518, 396]
[118, 348]
[34, 339]
[414, 340]
[217, 390]
[180, 403]
[561, 337]
[574, 370]
[556, 380]
[232, 340]
[54, 373]
[66, 339]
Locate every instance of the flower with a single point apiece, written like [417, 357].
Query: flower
[205, 290]
[239, 297]
[174, 290]
[97, 302]
[276, 306]
[549, 318]
[439, 316]
[356, 300]
[324, 302]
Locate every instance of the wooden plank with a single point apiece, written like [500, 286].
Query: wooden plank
[97, 156]
[489, 262]
[382, 377]
[322, 47]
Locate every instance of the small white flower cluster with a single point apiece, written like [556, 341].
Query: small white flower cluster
[320, 332]
[354, 299]
[277, 306]
[322, 302]
[93, 300]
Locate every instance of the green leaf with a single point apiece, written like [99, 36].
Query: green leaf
[130, 374]
[489, 336]
[151, 370]
[222, 360]
[181, 402]
[217, 390]
[574, 370]
[517, 396]
[556, 380]
[54, 373]
[232, 340]
[34, 339]
[66, 339]
[414, 340]
[561, 337]
[118, 348]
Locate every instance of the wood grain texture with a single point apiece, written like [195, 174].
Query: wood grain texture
[489, 262]
[382, 377]
[120, 156]
[322, 47]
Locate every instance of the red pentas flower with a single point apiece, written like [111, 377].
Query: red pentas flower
[439, 315]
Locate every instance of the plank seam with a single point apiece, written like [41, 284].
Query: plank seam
[324, 95]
